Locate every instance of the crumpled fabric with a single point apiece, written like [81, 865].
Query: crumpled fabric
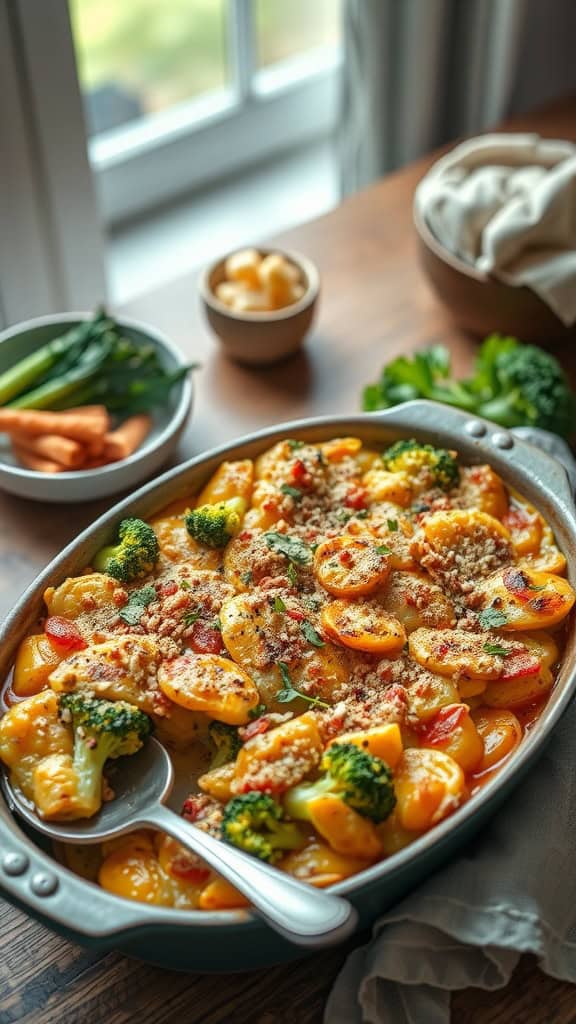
[506, 204]
[512, 892]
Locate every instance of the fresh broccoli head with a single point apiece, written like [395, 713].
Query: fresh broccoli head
[215, 525]
[513, 384]
[103, 730]
[521, 385]
[225, 743]
[254, 822]
[362, 781]
[412, 457]
[135, 554]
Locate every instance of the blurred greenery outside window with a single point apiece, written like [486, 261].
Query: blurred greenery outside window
[141, 57]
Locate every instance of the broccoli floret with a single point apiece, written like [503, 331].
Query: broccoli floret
[134, 556]
[103, 729]
[521, 385]
[412, 457]
[215, 525]
[362, 781]
[254, 822]
[225, 742]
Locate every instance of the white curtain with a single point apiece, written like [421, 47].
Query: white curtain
[51, 251]
[419, 73]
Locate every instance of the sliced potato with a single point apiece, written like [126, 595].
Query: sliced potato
[416, 601]
[513, 693]
[383, 741]
[501, 733]
[320, 865]
[381, 485]
[363, 626]
[273, 761]
[453, 731]
[209, 683]
[344, 829]
[218, 782]
[80, 594]
[481, 488]
[231, 480]
[35, 660]
[427, 693]
[429, 785]
[453, 652]
[351, 566]
[177, 545]
[528, 599]
[120, 669]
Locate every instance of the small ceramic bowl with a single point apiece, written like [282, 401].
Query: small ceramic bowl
[481, 304]
[261, 338]
[88, 484]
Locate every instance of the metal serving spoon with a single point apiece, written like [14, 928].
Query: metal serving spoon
[302, 914]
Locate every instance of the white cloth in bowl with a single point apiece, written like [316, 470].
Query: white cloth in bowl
[506, 203]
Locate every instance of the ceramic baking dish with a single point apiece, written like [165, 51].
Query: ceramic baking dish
[234, 940]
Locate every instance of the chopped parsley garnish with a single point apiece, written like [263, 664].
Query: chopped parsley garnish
[383, 549]
[294, 445]
[392, 525]
[247, 577]
[184, 585]
[292, 492]
[217, 624]
[257, 711]
[362, 513]
[289, 693]
[491, 618]
[189, 618]
[294, 549]
[501, 652]
[292, 574]
[138, 600]
[311, 635]
[279, 605]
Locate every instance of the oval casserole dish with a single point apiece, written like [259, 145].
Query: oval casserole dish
[236, 940]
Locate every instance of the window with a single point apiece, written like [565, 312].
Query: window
[184, 92]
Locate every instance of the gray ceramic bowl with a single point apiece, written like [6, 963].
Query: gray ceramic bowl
[233, 940]
[88, 484]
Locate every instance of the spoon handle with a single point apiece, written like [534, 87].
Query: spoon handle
[304, 915]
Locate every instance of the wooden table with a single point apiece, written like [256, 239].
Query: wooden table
[374, 304]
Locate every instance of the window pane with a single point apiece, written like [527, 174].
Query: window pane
[137, 57]
[286, 29]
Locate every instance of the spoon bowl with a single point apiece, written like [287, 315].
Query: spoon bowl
[304, 915]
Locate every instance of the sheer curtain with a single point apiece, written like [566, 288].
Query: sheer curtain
[419, 73]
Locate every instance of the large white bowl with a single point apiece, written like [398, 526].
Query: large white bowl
[87, 484]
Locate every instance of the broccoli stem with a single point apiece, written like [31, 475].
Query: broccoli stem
[89, 764]
[297, 799]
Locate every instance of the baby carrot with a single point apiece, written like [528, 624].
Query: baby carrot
[31, 422]
[70, 454]
[36, 462]
[120, 443]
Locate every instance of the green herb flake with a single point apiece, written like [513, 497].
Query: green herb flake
[294, 445]
[137, 602]
[292, 492]
[279, 605]
[497, 649]
[362, 513]
[492, 618]
[257, 711]
[184, 585]
[292, 574]
[247, 578]
[189, 618]
[294, 549]
[311, 635]
[392, 525]
[383, 549]
[288, 693]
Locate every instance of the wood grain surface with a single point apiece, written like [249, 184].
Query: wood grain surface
[374, 304]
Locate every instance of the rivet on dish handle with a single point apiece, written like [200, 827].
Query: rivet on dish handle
[14, 863]
[43, 883]
[502, 440]
[475, 428]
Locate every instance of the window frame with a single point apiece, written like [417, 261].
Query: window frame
[263, 113]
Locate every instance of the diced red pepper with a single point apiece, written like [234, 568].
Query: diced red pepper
[64, 634]
[439, 730]
[189, 872]
[356, 497]
[522, 664]
[299, 473]
[516, 518]
[167, 589]
[346, 558]
[293, 613]
[205, 639]
[255, 728]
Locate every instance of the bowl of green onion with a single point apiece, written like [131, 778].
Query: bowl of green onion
[90, 405]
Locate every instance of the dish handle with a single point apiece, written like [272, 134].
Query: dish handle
[540, 455]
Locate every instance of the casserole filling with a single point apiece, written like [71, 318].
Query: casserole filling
[339, 646]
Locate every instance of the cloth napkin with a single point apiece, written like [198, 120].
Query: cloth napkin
[507, 205]
[513, 891]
